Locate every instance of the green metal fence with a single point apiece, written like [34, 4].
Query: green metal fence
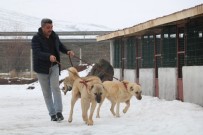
[148, 51]
[194, 52]
[175, 46]
[131, 53]
[117, 53]
[169, 49]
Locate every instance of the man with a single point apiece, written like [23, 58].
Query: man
[46, 58]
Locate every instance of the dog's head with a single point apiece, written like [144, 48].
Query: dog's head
[97, 90]
[68, 84]
[66, 89]
[134, 89]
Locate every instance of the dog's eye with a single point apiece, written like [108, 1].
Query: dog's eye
[136, 92]
[131, 88]
[96, 94]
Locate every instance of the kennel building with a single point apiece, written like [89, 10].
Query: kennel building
[164, 55]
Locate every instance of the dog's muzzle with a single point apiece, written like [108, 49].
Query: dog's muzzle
[98, 98]
[68, 89]
[139, 97]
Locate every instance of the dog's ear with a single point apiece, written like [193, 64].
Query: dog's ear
[89, 88]
[92, 87]
[103, 87]
[139, 87]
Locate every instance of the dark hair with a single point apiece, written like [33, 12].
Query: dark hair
[45, 20]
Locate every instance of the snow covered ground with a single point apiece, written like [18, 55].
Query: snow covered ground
[23, 112]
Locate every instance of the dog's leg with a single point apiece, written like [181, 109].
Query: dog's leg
[127, 106]
[98, 109]
[112, 108]
[117, 109]
[85, 107]
[93, 106]
[73, 100]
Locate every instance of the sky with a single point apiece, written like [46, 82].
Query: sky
[23, 112]
[115, 14]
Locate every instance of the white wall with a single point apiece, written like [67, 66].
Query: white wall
[117, 73]
[146, 80]
[167, 83]
[129, 74]
[193, 84]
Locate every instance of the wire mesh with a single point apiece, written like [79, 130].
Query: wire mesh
[148, 51]
[131, 53]
[194, 53]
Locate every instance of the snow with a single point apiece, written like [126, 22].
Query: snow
[23, 112]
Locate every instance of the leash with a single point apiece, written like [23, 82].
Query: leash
[70, 60]
[100, 69]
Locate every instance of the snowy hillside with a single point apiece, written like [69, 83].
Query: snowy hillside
[13, 21]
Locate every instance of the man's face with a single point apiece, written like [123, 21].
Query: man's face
[47, 29]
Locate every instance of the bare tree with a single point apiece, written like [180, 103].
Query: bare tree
[15, 53]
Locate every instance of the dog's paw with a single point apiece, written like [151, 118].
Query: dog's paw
[69, 120]
[112, 111]
[89, 123]
[124, 110]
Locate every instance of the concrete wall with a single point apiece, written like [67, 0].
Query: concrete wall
[146, 81]
[167, 83]
[193, 84]
[117, 73]
[129, 74]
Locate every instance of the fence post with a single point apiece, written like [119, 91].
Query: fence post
[80, 56]
[31, 65]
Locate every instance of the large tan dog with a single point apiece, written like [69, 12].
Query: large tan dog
[118, 92]
[90, 89]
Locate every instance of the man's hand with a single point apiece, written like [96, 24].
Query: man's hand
[71, 53]
[52, 58]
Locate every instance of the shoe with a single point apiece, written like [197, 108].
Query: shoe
[60, 116]
[54, 118]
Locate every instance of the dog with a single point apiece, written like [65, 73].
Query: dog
[90, 89]
[102, 69]
[118, 92]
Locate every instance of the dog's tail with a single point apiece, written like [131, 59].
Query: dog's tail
[73, 72]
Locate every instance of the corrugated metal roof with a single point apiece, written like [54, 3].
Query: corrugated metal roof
[177, 16]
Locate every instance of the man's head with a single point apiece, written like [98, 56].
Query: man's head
[47, 27]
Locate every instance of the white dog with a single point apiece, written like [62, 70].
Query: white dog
[118, 92]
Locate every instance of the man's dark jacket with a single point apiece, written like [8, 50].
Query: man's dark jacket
[41, 51]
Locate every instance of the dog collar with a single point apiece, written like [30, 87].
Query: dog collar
[125, 85]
